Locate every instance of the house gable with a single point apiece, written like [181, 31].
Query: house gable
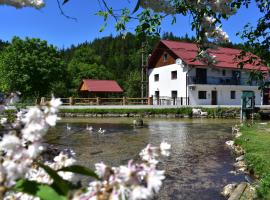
[157, 58]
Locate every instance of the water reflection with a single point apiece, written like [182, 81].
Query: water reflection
[199, 164]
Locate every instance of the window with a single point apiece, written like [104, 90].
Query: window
[174, 93]
[156, 77]
[165, 57]
[223, 72]
[202, 94]
[232, 94]
[157, 94]
[174, 75]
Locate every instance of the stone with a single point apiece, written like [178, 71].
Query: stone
[240, 164]
[138, 122]
[204, 114]
[240, 158]
[230, 144]
[228, 189]
[237, 193]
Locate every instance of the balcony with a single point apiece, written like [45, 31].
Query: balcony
[219, 81]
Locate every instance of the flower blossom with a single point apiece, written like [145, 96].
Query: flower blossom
[20, 147]
[23, 3]
[132, 181]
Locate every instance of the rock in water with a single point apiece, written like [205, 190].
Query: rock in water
[138, 122]
[228, 189]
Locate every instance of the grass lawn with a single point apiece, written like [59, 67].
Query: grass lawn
[256, 142]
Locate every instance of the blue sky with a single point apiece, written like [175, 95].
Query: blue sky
[50, 25]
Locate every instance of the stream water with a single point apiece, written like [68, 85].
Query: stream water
[199, 165]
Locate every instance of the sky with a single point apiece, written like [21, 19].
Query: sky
[48, 23]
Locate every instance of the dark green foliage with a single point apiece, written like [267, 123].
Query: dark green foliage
[43, 191]
[80, 170]
[30, 66]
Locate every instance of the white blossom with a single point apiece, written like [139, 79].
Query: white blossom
[101, 169]
[23, 3]
[154, 180]
[10, 144]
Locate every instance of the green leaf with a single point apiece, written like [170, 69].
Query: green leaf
[80, 170]
[137, 6]
[43, 191]
[59, 184]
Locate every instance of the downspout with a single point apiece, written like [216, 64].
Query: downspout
[187, 83]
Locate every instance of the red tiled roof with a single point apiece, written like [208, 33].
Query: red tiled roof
[225, 57]
[100, 86]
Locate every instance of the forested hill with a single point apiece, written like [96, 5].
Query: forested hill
[121, 57]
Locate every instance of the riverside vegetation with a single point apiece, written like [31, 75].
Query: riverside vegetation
[255, 140]
[218, 112]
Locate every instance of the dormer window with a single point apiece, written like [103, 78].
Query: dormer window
[165, 57]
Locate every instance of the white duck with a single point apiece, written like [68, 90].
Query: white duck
[101, 131]
[68, 127]
[89, 128]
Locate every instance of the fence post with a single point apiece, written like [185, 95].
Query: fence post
[124, 100]
[71, 102]
[150, 100]
[42, 101]
[98, 100]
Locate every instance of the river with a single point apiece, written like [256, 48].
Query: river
[199, 165]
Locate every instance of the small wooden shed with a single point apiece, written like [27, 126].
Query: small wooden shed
[99, 88]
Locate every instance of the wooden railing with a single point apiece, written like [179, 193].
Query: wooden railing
[101, 101]
[180, 101]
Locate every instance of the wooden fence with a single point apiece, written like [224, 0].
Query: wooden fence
[101, 101]
[120, 101]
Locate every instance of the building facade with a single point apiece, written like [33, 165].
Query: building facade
[176, 78]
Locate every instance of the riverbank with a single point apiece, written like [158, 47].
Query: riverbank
[255, 140]
[179, 112]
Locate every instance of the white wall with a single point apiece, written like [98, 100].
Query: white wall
[223, 94]
[165, 84]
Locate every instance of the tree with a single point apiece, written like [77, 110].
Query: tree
[30, 66]
[133, 86]
[85, 64]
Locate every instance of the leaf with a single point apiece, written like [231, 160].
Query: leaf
[59, 184]
[43, 191]
[65, 1]
[137, 6]
[80, 170]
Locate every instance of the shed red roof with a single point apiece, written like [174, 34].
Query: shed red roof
[100, 86]
[225, 57]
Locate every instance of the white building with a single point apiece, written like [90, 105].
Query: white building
[176, 78]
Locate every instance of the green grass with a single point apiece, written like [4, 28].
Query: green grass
[256, 142]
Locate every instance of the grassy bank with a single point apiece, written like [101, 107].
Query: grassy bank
[256, 142]
[212, 112]
[183, 110]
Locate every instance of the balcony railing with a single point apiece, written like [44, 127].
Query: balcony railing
[219, 81]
